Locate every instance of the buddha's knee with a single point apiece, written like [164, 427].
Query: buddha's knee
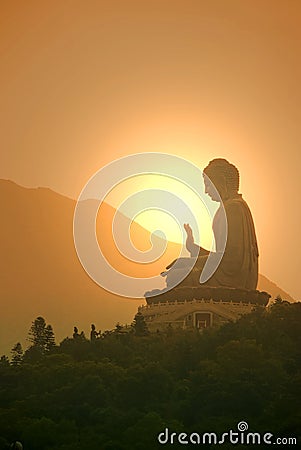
[175, 276]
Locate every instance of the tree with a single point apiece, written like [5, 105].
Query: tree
[139, 325]
[50, 339]
[17, 354]
[41, 335]
[118, 328]
[4, 361]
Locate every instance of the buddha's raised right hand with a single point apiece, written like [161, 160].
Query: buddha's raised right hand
[188, 230]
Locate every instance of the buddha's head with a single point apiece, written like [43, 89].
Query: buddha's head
[225, 178]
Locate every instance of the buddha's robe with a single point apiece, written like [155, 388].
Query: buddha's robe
[239, 265]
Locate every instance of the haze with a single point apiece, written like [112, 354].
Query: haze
[83, 83]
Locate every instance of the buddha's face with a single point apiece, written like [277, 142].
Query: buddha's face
[216, 189]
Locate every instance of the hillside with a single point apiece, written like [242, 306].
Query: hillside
[40, 271]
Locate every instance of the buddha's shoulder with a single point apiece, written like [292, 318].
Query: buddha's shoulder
[237, 205]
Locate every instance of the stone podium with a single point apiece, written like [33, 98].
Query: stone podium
[200, 307]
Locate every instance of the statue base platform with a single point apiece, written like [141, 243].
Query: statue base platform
[199, 307]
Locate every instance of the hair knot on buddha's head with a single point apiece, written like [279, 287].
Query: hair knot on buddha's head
[220, 167]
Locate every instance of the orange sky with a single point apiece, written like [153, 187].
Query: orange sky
[85, 82]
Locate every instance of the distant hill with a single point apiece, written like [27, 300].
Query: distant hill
[264, 284]
[40, 273]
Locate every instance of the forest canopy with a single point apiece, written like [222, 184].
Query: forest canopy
[121, 389]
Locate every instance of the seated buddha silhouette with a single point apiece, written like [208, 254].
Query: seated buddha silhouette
[238, 267]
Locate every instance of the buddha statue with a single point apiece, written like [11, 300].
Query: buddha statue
[238, 267]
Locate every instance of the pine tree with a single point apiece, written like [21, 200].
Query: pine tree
[41, 335]
[37, 333]
[50, 340]
[139, 325]
[17, 354]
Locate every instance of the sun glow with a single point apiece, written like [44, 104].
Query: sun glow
[161, 220]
